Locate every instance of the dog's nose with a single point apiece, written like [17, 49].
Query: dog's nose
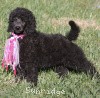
[18, 28]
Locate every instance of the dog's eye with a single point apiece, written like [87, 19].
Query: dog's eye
[12, 21]
[15, 19]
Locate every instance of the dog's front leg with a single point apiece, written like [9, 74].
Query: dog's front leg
[32, 75]
[20, 74]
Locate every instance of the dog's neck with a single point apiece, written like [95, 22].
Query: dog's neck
[17, 35]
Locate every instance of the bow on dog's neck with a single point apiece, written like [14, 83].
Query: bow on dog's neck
[11, 52]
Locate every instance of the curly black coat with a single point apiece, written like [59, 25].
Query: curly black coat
[44, 51]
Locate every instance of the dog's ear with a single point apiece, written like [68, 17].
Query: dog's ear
[10, 28]
[31, 24]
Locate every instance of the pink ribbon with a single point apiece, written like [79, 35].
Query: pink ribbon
[11, 52]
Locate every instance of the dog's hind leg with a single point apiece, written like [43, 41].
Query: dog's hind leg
[61, 70]
[83, 66]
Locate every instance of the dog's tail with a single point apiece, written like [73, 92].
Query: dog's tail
[74, 32]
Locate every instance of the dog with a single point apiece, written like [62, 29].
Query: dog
[46, 51]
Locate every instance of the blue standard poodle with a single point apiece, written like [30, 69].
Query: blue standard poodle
[39, 51]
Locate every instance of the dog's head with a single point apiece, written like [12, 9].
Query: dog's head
[21, 21]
